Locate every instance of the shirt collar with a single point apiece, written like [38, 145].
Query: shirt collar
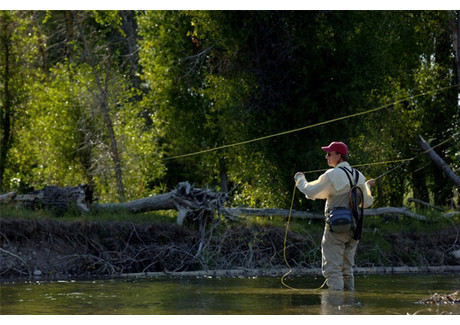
[343, 164]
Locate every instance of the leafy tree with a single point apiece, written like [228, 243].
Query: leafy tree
[65, 139]
[418, 67]
[19, 50]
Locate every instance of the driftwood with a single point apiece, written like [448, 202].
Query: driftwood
[441, 299]
[54, 198]
[438, 161]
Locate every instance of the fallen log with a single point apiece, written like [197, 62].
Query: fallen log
[188, 200]
[153, 203]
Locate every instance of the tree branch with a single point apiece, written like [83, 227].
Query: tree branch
[438, 161]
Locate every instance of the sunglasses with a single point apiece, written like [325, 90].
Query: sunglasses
[330, 154]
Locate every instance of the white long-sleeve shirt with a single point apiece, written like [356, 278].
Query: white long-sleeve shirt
[334, 186]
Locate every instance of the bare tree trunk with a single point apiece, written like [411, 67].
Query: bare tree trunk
[438, 161]
[69, 33]
[104, 109]
[130, 29]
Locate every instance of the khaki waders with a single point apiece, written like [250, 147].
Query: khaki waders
[338, 251]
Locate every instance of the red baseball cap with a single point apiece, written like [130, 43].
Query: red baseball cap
[339, 147]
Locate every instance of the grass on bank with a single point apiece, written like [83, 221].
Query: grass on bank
[372, 224]
[120, 215]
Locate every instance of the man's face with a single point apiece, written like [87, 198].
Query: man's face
[333, 158]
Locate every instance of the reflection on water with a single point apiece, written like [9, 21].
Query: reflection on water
[375, 295]
[339, 302]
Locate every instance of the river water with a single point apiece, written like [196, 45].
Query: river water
[375, 295]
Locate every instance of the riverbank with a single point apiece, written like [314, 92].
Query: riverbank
[70, 249]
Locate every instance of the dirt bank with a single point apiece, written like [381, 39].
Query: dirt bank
[59, 249]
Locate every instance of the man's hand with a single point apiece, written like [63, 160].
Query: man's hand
[371, 182]
[298, 176]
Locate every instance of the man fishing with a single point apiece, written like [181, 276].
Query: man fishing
[341, 232]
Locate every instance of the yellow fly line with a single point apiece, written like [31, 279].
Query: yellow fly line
[285, 244]
[309, 126]
[387, 161]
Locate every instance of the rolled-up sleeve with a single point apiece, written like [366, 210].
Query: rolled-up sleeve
[318, 189]
[368, 198]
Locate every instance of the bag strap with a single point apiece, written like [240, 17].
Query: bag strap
[353, 204]
[353, 171]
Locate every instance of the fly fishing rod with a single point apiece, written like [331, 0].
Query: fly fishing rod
[410, 159]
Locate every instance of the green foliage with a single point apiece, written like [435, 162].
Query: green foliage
[20, 46]
[178, 82]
